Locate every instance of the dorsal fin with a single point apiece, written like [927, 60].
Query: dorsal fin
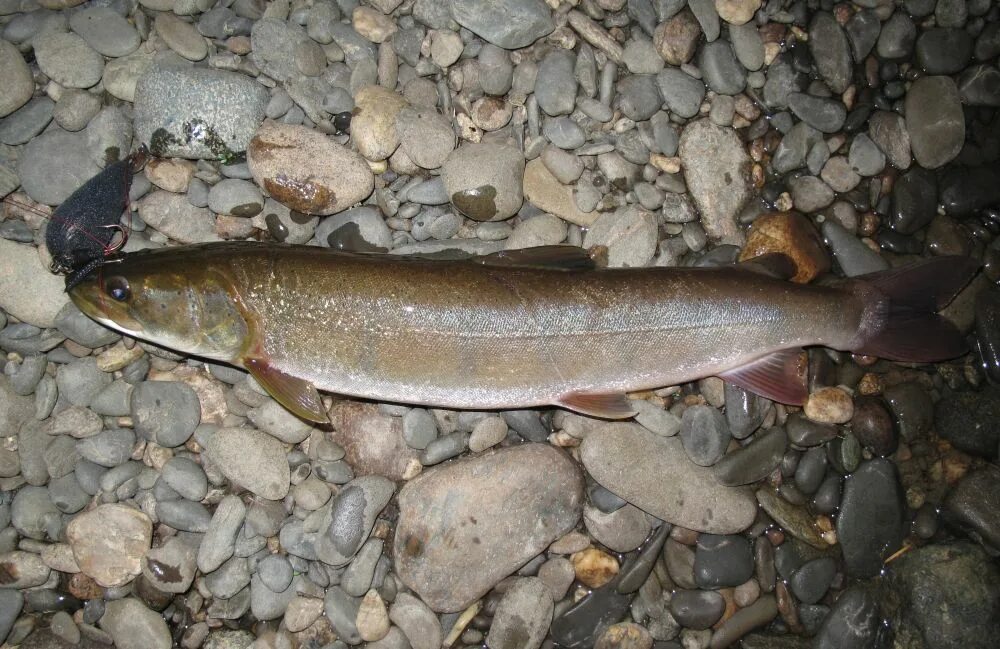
[555, 257]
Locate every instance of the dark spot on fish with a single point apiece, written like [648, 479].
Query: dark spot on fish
[476, 541]
[473, 520]
[278, 230]
[302, 195]
[348, 238]
[8, 573]
[478, 203]
[247, 210]
[728, 177]
[164, 572]
[413, 547]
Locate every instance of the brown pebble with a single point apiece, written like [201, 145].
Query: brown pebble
[792, 234]
[870, 384]
[873, 426]
[829, 406]
[624, 635]
[81, 586]
[594, 567]
[684, 535]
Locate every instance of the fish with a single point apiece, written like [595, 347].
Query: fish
[538, 327]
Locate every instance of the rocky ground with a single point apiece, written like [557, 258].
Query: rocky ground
[148, 500]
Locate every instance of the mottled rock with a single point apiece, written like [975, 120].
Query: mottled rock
[629, 461]
[716, 169]
[108, 543]
[535, 497]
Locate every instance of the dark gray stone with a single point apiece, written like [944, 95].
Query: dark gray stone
[871, 525]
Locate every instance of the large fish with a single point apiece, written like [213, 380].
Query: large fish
[519, 329]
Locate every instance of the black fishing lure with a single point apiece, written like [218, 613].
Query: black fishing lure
[85, 232]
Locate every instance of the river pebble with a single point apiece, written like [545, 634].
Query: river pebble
[626, 459]
[552, 511]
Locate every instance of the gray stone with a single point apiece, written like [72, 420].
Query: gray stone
[629, 234]
[555, 85]
[943, 595]
[106, 31]
[897, 37]
[18, 85]
[523, 615]
[166, 412]
[418, 622]
[934, 121]
[235, 197]
[184, 515]
[626, 460]
[108, 448]
[197, 112]
[219, 541]
[27, 121]
[638, 97]
[823, 114]
[484, 181]
[510, 24]
[872, 520]
[716, 169]
[348, 519]
[251, 459]
[68, 60]
[722, 71]
[133, 626]
[830, 51]
[535, 498]
[753, 462]
[54, 165]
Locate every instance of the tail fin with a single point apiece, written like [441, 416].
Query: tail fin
[904, 324]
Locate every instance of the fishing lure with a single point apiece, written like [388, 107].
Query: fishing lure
[85, 232]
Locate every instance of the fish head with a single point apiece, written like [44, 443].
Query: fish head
[172, 301]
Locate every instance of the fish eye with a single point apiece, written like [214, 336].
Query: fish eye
[118, 288]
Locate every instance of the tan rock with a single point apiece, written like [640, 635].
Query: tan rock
[302, 612]
[373, 25]
[171, 174]
[594, 567]
[737, 12]
[544, 191]
[373, 442]
[307, 171]
[830, 406]
[373, 127]
[373, 618]
[109, 542]
[624, 635]
[791, 234]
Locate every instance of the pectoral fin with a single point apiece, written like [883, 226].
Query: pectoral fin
[606, 406]
[781, 376]
[297, 396]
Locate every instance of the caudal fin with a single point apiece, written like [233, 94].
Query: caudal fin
[909, 298]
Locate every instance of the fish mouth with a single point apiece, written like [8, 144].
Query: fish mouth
[91, 300]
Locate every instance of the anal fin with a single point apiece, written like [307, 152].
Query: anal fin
[594, 404]
[297, 396]
[781, 376]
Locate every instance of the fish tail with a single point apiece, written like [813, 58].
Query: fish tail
[901, 322]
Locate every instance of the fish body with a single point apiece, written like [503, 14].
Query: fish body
[473, 333]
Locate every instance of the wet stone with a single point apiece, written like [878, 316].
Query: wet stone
[963, 418]
[721, 561]
[826, 115]
[252, 459]
[811, 581]
[943, 50]
[484, 180]
[722, 71]
[752, 462]
[897, 37]
[705, 435]
[171, 567]
[973, 506]
[555, 85]
[871, 522]
[697, 609]
[811, 470]
[944, 595]
[853, 621]
[934, 120]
